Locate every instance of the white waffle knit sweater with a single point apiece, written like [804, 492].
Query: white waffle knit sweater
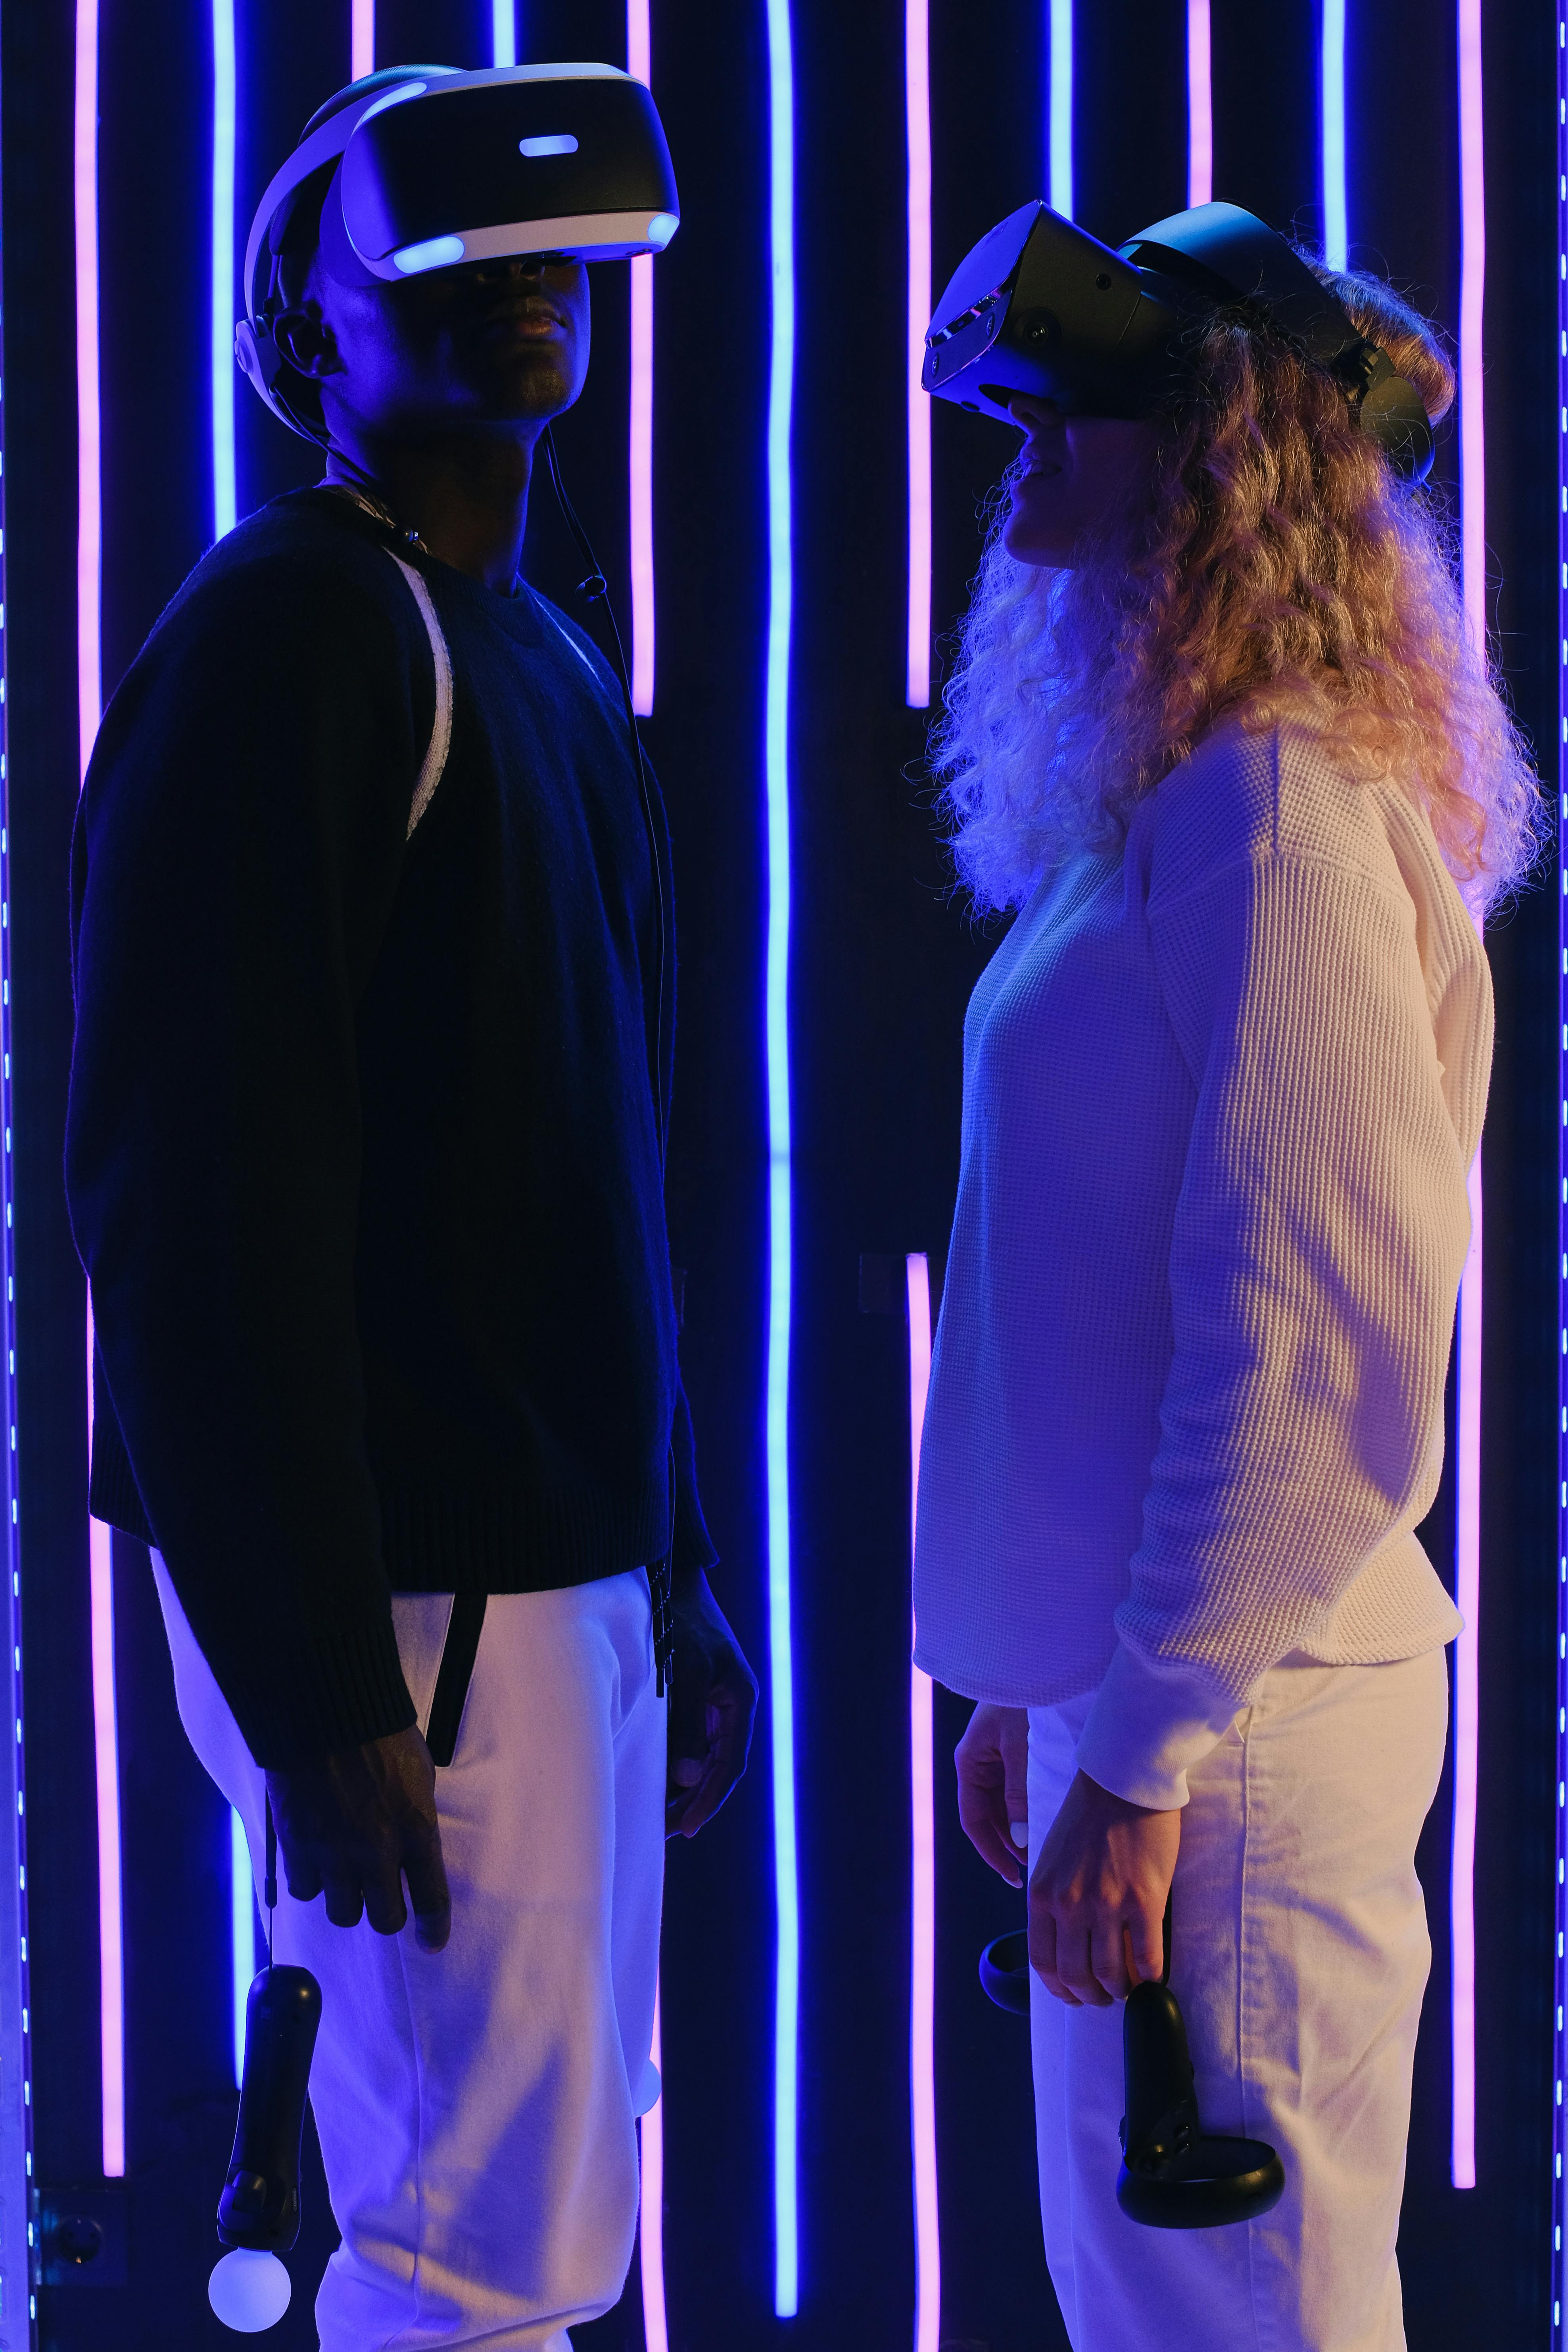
[1222, 1093]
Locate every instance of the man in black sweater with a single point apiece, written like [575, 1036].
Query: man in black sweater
[364, 1163]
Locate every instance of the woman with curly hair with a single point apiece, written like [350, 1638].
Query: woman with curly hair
[1219, 738]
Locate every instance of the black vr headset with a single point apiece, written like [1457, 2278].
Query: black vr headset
[431, 167]
[1039, 306]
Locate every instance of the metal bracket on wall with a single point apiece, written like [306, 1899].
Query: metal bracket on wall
[83, 2239]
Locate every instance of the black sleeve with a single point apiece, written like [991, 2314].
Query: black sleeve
[692, 1550]
[237, 852]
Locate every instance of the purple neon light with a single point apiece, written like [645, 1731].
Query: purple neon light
[650, 2224]
[361, 37]
[917, 143]
[639, 62]
[1560, 2036]
[1200, 106]
[89, 696]
[1467, 1430]
[922, 1903]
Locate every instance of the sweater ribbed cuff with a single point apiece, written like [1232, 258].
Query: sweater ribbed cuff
[1148, 1725]
[348, 1688]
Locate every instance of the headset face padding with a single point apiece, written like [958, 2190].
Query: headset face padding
[1040, 306]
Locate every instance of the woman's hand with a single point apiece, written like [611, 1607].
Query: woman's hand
[1098, 1894]
[993, 1761]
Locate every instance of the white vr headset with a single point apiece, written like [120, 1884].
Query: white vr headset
[433, 168]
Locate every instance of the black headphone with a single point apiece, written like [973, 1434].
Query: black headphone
[1222, 254]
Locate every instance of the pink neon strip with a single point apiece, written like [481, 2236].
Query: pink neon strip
[917, 137]
[361, 37]
[641, 484]
[1468, 1430]
[89, 700]
[89, 505]
[1200, 106]
[105, 1773]
[656, 2328]
[922, 1904]
[639, 63]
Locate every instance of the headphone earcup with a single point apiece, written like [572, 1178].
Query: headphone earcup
[1391, 412]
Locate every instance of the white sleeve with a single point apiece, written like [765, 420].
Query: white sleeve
[1320, 1236]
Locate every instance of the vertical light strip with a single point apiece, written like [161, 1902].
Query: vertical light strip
[225, 499]
[225, 496]
[917, 150]
[361, 37]
[1059, 105]
[922, 1890]
[781, 1652]
[89, 691]
[1200, 106]
[1468, 1418]
[1336, 216]
[639, 62]
[15, 1992]
[241, 1933]
[651, 2224]
[503, 33]
[1560, 1907]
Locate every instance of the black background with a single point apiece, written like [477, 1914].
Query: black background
[883, 961]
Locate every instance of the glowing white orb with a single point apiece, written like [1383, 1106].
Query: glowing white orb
[249, 2290]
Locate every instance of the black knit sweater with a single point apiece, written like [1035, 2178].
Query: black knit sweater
[361, 1152]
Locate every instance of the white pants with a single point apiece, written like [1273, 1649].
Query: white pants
[476, 2106]
[1300, 1956]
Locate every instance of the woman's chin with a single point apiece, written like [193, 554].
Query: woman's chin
[1028, 539]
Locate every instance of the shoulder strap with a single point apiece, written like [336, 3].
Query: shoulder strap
[441, 732]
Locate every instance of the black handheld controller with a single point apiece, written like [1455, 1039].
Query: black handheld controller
[260, 2207]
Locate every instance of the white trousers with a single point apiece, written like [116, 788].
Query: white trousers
[1300, 1956]
[476, 2106]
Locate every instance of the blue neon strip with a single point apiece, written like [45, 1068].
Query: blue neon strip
[781, 1657]
[1058, 142]
[224, 502]
[241, 1932]
[503, 33]
[1336, 228]
[1560, 2038]
[225, 496]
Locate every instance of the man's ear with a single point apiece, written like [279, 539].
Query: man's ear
[306, 342]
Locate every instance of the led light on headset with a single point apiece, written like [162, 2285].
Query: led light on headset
[560, 143]
[435, 253]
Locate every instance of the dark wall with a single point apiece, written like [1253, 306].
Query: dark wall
[883, 962]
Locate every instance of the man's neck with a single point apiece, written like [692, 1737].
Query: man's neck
[467, 498]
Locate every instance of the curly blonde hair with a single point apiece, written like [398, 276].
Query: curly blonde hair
[1273, 568]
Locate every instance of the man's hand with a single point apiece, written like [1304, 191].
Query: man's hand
[1097, 1895]
[993, 1761]
[713, 1698]
[356, 1826]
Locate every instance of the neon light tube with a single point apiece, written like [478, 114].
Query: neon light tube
[917, 145]
[923, 1905]
[1058, 135]
[639, 61]
[90, 695]
[1559, 1971]
[89, 506]
[503, 33]
[241, 1933]
[1200, 106]
[223, 365]
[1336, 230]
[361, 37]
[781, 1651]
[650, 2223]
[1468, 1428]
